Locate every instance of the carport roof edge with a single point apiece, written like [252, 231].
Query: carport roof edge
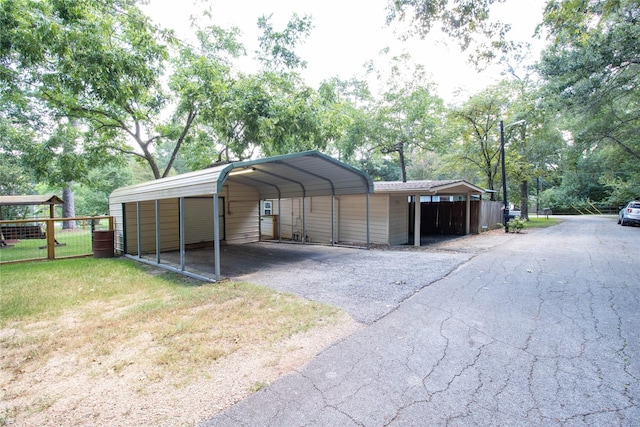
[308, 173]
[453, 186]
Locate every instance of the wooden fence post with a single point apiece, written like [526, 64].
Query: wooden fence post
[51, 239]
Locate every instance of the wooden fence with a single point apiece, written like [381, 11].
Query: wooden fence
[491, 214]
[45, 238]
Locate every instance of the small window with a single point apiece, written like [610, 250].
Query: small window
[267, 207]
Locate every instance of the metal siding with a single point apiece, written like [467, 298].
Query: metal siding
[352, 214]
[398, 220]
[269, 175]
[198, 218]
[169, 225]
[115, 210]
[318, 219]
[242, 214]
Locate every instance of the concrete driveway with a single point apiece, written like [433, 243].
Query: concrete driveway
[542, 329]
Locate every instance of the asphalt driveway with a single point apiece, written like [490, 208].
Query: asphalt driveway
[541, 329]
[366, 284]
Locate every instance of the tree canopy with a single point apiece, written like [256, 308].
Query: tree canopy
[96, 85]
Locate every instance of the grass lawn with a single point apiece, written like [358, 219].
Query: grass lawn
[71, 243]
[541, 222]
[115, 318]
[130, 296]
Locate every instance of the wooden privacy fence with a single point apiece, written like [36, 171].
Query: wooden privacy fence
[491, 214]
[45, 238]
[448, 217]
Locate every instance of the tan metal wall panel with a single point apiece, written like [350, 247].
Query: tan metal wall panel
[169, 224]
[242, 213]
[398, 220]
[115, 210]
[353, 219]
[198, 219]
[318, 219]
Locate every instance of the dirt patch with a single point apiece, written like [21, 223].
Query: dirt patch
[125, 387]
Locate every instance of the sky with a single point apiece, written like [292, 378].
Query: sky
[349, 33]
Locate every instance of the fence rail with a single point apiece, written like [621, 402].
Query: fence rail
[49, 238]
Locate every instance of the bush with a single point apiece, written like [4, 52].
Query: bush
[516, 225]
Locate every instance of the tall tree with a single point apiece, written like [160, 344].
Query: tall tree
[469, 22]
[476, 124]
[535, 144]
[406, 116]
[592, 70]
[101, 64]
[277, 48]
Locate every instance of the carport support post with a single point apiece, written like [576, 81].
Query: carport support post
[181, 222]
[216, 237]
[138, 230]
[303, 238]
[158, 231]
[279, 219]
[333, 219]
[467, 220]
[368, 222]
[417, 209]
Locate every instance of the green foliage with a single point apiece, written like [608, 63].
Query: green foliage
[96, 63]
[466, 21]
[14, 180]
[475, 129]
[516, 225]
[380, 169]
[277, 47]
[593, 75]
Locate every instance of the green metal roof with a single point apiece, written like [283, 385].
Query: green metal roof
[308, 173]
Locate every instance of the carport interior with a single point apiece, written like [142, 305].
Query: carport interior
[174, 215]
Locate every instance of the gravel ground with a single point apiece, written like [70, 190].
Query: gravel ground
[366, 284]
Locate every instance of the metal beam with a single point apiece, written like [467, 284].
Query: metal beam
[181, 226]
[158, 231]
[368, 222]
[138, 230]
[216, 236]
[417, 220]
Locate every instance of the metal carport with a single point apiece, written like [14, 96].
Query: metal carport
[305, 174]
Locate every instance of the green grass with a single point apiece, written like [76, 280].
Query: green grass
[541, 222]
[97, 307]
[74, 243]
[36, 289]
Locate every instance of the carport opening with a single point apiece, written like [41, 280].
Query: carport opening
[224, 204]
[152, 232]
[442, 215]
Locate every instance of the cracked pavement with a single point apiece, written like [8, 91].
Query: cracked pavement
[540, 330]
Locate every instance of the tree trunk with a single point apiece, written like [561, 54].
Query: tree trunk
[524, 200]
[403, 166]
[69, 207]
[492, 194]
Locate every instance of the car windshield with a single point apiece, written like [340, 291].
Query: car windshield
[635, 205]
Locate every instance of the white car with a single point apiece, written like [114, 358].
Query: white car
[630, 214]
